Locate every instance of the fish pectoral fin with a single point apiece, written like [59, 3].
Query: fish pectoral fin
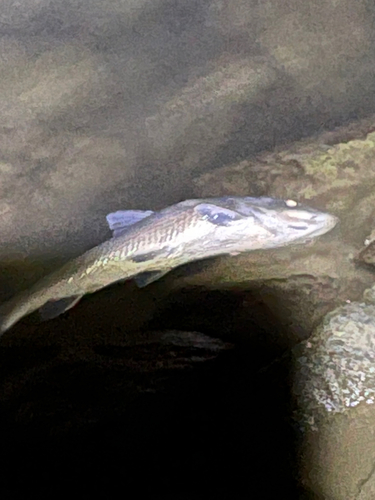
[54, 308]
[217, 215]
[120, 221]
[147, 277]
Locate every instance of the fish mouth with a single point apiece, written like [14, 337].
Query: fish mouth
[328, 222]
[324, 224]
[303, 220]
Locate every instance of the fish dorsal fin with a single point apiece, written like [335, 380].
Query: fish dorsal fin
[120, 221]
[217, 215]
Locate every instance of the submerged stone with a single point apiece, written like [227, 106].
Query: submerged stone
[335, 368]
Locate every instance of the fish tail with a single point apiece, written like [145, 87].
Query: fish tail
[9, 315]
[50, 305]
[19, 306]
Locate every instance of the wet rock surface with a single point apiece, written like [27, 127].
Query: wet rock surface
[333, 394]
[335, 367]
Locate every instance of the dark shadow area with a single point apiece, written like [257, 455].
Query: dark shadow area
[121, 421]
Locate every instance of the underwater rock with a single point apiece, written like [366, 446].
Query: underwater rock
[335, 367]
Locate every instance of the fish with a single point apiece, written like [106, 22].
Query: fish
[146, 245]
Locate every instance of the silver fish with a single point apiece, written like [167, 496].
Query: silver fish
[147, 245]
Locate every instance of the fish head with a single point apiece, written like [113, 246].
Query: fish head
[273, 222]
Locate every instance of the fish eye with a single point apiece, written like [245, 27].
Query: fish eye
[291, 203]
